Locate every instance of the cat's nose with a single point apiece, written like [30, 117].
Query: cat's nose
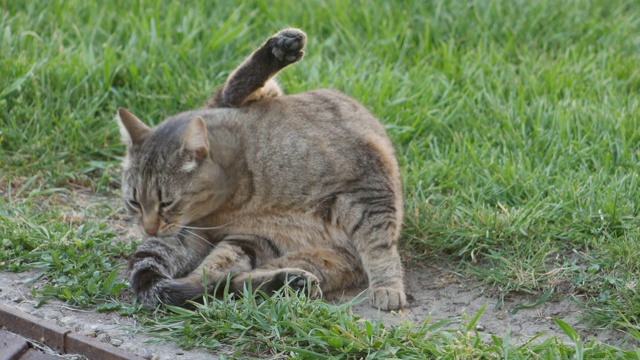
[150, 224]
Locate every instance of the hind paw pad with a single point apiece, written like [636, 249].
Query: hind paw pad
[287, 45]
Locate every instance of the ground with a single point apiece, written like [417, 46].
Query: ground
[435, 293]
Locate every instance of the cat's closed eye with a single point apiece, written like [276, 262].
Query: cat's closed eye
[166, 204]
[134, 204]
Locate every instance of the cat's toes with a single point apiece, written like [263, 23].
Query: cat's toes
[302, 282]
[168, 292]
[148, 302]
[386, 298]
[151, 296]
[287, 45]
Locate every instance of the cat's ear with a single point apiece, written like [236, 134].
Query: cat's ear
[194, 138]
[132, 129]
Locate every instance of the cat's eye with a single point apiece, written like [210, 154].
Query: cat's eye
[166, 204]
[134, 204]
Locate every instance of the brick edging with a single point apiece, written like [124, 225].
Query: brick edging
[58, 338]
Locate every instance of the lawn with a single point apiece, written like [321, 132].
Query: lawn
[517, 125]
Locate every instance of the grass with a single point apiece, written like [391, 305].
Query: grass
[77, 260]
[516, 123]
[288, 325]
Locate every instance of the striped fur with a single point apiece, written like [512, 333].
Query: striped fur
[264, 189]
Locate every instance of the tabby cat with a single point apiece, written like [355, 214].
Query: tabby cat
[264, 189]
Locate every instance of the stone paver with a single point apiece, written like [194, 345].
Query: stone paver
[57, 338]
[14, 347]
[11, 346]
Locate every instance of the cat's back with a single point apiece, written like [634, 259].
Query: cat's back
[327, 111]
[307, 143]
[323, 119]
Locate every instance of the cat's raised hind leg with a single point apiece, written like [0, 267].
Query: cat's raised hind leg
[253, 79]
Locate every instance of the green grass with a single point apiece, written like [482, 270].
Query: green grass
[516, 123]
[294, 326]
[77, 260]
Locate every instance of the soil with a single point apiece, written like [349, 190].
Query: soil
[435, 293]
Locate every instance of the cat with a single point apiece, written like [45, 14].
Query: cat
[264, 189]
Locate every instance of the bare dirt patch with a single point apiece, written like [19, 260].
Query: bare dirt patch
[439, 294]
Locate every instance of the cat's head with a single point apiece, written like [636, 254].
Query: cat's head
[168, 179]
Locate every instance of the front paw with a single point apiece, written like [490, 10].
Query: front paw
[301, 281]
[287, 45]
[386, 298]
[150, 297]
[147, 282]
[174, 292]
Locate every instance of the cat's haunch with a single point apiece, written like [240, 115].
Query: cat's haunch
[264, 189]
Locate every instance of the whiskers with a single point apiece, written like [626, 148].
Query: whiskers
[182, 234]
[196, 236]
[205, 228]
